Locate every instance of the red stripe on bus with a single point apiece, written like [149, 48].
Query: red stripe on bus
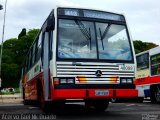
[147, 80]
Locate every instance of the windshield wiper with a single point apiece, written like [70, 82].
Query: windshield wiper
[102, 36]
[84, 30]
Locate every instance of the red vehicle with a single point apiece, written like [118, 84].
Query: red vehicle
[80, 54]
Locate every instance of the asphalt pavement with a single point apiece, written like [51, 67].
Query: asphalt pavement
[72, 111]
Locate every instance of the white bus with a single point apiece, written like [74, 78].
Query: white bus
[81, 54]
[148, 74]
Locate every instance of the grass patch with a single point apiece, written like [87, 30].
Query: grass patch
[16, 90]
[7, 93]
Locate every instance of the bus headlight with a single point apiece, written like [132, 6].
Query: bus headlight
[123, 80]
[70, 80]
[67, 80]
[63, 80]
[129, 81]
[126, 80]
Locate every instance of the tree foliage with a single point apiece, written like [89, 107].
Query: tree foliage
[14, 52]
[143, 46]
[23, 33]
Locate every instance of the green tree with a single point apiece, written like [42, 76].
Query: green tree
[14, 52]
[143, 46]
[23, 33]
[10, 73]
[23, 45]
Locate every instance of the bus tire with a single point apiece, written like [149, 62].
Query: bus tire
[119, 100]
[40, 95]
[139, 100]
[155, 94]
[23, 93]
[53, 106]
[46, 106]
[26, 102]
[99, 105]
[114, 100]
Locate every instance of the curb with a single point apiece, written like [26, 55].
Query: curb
[10, 96]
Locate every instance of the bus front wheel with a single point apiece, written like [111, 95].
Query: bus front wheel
[99, 105]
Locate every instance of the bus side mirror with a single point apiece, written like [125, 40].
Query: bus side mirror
[50, 24]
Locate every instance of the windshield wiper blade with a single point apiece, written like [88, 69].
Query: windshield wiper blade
[83, 29]
[106, 31]
[101, 38]
[90, 39]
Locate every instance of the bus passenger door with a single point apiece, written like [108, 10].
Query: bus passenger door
[45, 64]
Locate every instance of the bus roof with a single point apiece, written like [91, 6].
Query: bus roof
[89, 8]
[152, 51]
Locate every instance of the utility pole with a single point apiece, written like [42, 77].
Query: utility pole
[4, 21]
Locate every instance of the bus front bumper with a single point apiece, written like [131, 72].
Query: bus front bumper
[94, 93]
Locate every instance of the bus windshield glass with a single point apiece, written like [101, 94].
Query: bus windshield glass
[76, 39]
[92, 40]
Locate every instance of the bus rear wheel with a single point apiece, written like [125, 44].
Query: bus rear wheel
[139, 99]
[155, 94]
[46, 106]
[25, 102]
[40, 95]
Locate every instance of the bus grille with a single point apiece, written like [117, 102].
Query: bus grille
[86, 72]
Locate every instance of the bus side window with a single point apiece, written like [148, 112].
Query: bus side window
[142, 61]
[39, 47]
[33, 54]
[50, 44]
[155, 64]
[29, 60]
[25, 66]
[27, 63]
[42, 44]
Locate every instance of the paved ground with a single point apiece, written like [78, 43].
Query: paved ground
[116, 111]
[10, 99]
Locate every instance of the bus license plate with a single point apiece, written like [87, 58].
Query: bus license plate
[101, 93]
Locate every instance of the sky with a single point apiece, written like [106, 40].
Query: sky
[143, 16]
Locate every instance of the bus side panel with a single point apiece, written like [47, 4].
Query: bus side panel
[31, 88]
[51, 87]
[143, 85]
[142, 73]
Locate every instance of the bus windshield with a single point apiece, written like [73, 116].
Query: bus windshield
[92, 40]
